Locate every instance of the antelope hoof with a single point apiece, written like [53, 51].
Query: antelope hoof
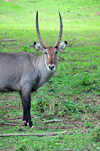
[30, 124]
[25, 123]
[33, 127]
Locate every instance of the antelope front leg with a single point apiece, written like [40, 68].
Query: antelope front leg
[26, 102]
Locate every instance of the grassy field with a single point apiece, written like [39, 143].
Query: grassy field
[69, 103]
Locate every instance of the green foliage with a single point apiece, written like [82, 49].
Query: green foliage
[96, 135]
[21, 145]
[73, 93]
[25, 49]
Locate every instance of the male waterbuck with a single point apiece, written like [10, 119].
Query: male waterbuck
[26, 72]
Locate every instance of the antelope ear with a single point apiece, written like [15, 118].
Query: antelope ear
[39, 47]
[62, 46]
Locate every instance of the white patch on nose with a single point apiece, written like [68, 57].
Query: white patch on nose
[50, 67]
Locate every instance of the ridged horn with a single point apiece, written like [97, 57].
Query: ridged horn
[60, 32]
[38, 33]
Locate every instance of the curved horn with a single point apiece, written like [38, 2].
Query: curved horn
[60, 32]
[38, 33]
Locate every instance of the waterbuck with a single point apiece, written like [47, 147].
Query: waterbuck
[26, 72]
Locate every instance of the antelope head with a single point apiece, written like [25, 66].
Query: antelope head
[50, 52]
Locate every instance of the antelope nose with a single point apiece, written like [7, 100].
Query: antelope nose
[51, 67]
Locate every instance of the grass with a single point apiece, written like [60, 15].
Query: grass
[73, 93]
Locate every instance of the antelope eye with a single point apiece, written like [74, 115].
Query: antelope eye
[56, 52]
[45, 52]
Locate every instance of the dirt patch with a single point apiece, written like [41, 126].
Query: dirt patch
[8, 1]
[8, 107]
[12, 98]
[97, 13]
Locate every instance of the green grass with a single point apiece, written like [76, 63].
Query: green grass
[67, 142]
[73, 93]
